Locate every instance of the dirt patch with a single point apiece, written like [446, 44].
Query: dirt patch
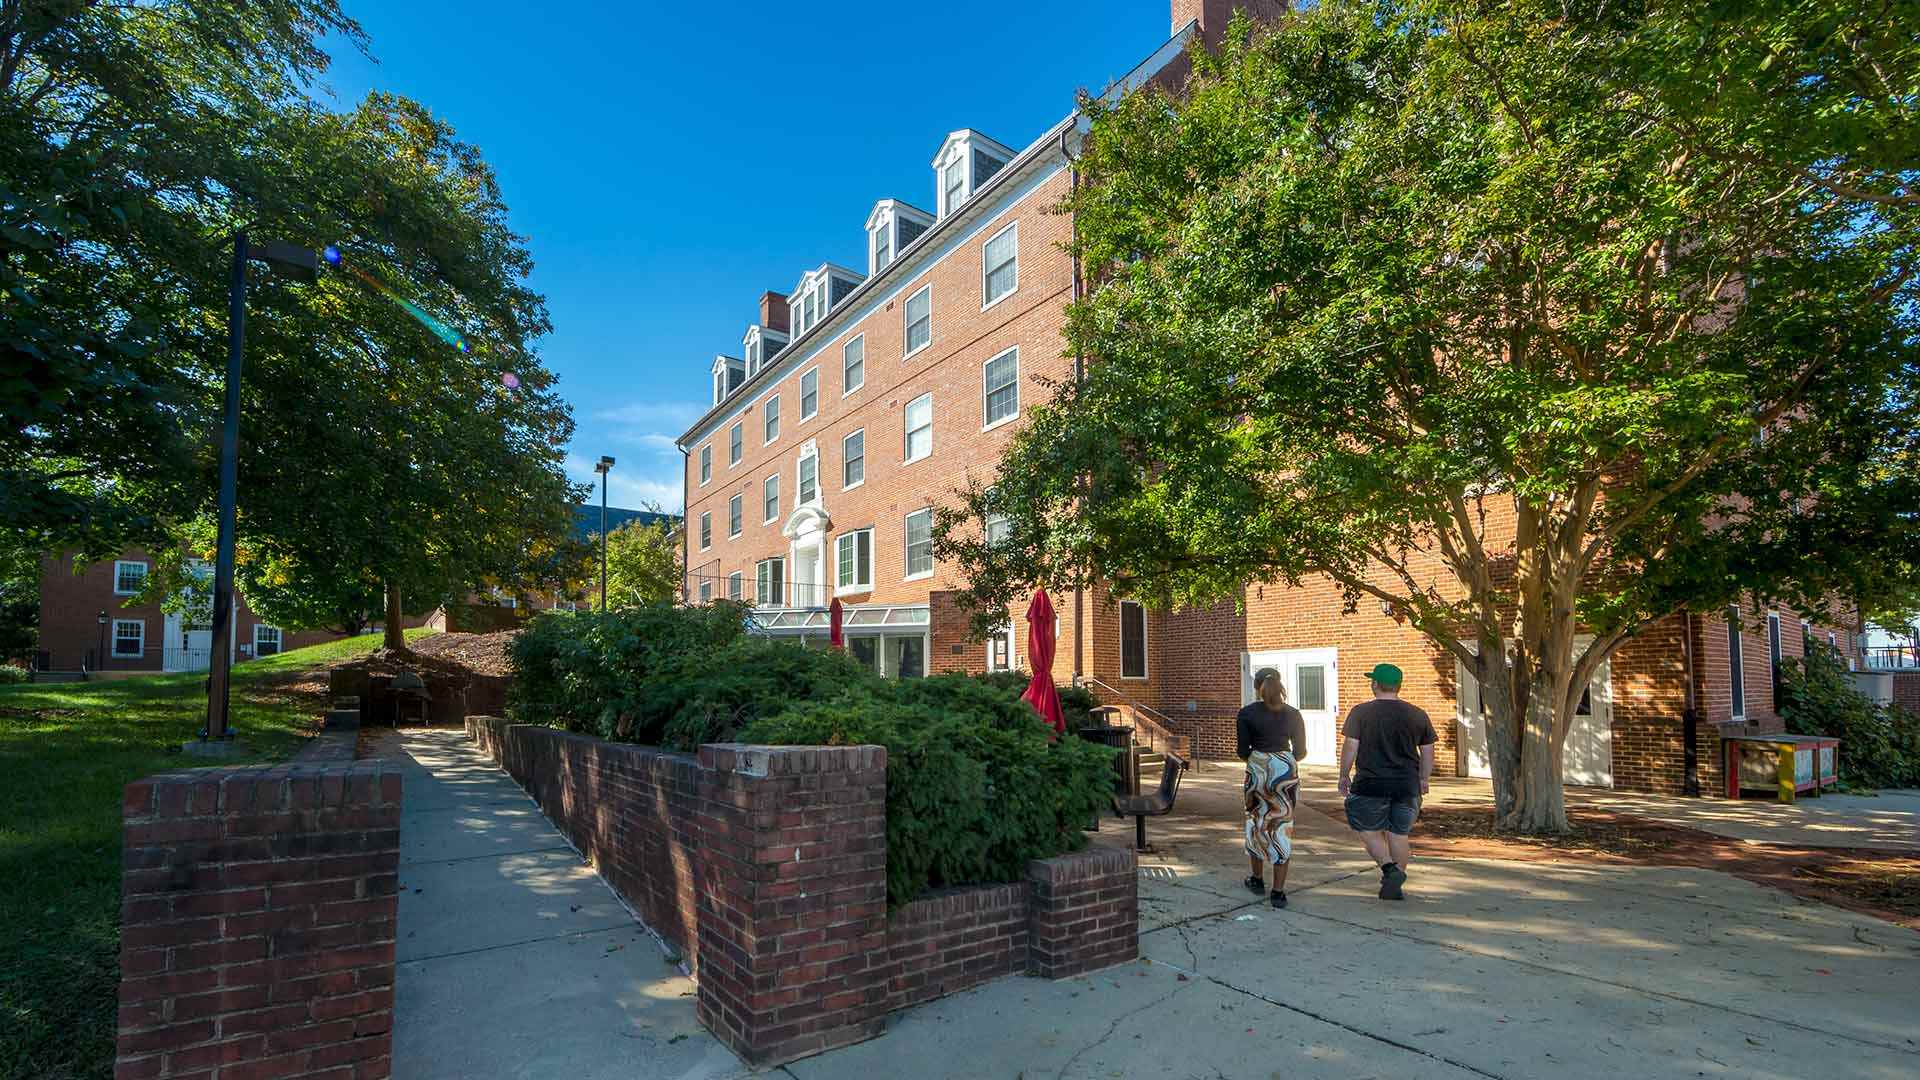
[482, 654]
[1885, 884]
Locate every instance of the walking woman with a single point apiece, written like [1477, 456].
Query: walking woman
[1272, 739]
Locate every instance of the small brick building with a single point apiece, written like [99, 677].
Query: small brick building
[859, 401]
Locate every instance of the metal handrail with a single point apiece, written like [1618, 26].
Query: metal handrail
[1156, 725]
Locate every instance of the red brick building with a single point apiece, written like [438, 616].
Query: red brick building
[863, 400]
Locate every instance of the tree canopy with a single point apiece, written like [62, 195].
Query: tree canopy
[643, 565]
[399, 436]
[1520, 318]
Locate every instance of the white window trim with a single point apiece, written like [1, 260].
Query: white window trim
[801, 392]
[736, 578]
[1013, 648]
[706, 465]
[780, 597]
[906, 548]
[764, 520]
[280, 640]
[814, 453]
[706, 592]
[858, 586]
[733, 462]
[906, 432]
[905, 323]
[1015, 415]
[846, 390]
[733, 533]
[862, 482]
[774, 401]
[145, 569]
[1146, 651]
[113, 643]
[706, 530]
[1013, 227]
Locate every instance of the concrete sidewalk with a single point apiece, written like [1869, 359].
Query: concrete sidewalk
[1489, 969]
[515, 958]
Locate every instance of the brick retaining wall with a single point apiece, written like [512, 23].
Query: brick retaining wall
[258, 908]
[766, 867]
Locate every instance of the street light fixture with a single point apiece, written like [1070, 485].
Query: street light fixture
[300, 264]
[603, 466]
[100, 658]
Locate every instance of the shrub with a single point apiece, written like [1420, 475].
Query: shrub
[1076, 702]
[1879, 744]
[974, 789]
[12, 674]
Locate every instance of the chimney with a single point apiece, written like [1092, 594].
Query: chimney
[773, 311]
[1215, 14]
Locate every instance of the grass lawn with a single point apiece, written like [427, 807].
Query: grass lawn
[66, 751]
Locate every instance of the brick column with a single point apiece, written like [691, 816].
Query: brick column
[792, 897]
[257, 922]
[1084, 912]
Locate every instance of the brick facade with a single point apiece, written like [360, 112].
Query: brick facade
[258, 908]
[766, 868]
[72, 636]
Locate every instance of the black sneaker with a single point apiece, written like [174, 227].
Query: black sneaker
[1278, 898]
[1391, 878]
[1255, 883]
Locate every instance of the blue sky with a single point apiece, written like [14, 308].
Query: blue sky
[668, 163]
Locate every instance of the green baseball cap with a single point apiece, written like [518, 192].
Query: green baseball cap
[1386, 675]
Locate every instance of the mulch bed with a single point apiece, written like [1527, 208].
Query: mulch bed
[482, 654]
[1885, 884]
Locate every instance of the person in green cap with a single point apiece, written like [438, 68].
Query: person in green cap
[1389, 750]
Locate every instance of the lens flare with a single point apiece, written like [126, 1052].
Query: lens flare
[509, 380]
[331, 254]
[440, 330]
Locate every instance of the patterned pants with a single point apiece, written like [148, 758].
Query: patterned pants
[1272, 787]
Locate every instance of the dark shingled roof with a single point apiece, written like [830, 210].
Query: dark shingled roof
[586, 519]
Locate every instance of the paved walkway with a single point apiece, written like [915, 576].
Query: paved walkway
[515, 958]
[1489, 969]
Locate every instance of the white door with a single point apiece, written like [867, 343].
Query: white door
[1311, 677]
[1588, 758]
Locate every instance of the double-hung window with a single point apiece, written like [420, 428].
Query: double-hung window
[1806, 638]
[129, 637]
[770, 499]
[706, 464]
[882, 246]
[1000, 387]
[1133, 640]
[770, 425]
[1000, 266]
[919, 428]
[954, 182]
[128, 577]
[809, 480]
[706, 592]
[1737, 680]
[853, 365]
[734, 442]
[920, 543]
[770, 586]
[998, 530]
[733, 517]
[266, 640]
[919, 319]
[853, 558]
[853, 459]
[735, 589]
[706, 529]
[1773, 654]
[809, 394]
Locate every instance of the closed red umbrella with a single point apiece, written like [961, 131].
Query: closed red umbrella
[835, 637]
[1041, 693]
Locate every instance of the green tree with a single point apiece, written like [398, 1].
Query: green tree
[643, 564]
[1461, 306]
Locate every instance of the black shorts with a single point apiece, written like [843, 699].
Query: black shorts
[1378, 813]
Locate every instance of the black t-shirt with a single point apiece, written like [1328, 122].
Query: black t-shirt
[1391, 733]
[1272, 730]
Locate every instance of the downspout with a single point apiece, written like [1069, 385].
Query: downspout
[1690, 719]
[1079, 373]
[686, 553]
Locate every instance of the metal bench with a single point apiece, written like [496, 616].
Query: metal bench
[1141, 807]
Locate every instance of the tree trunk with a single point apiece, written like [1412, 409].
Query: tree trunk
[396, 635]
[1503, 734]
[1539, 794]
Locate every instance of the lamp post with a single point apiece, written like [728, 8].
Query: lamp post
[301, 264]
[100, 658]
[603, 466]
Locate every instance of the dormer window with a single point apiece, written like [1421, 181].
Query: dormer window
[966, 161]
[819, 291]
[760, 345]
[890, 228]
[728, 375]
